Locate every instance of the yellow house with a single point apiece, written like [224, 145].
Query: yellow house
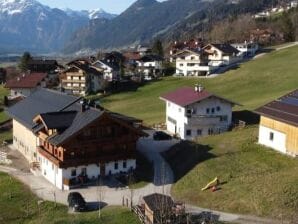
[279, 124]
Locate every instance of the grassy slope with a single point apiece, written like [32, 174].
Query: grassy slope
[252, 85]
[19, 205]
[258, 181]
[3, 92]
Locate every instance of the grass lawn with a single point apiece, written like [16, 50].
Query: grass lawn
[19, 205]
[3, 92]
[252, 85]
[255, 180]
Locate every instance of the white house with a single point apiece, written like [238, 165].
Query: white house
[247, 49]
[192, 63]
[150, 64]
[279, 124]
[111, 70]
[69, 142]
[222, 54]
[194, 112]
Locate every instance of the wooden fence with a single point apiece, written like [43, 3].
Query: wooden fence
[3, 157]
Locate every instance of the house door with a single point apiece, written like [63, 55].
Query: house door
[102, 170]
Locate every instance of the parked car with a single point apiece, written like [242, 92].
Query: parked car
[161, 136]
[76, 202]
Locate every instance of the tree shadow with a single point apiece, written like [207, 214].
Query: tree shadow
[204, 217]
[249, 117]
[184, 156]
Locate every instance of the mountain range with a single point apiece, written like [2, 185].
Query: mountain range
[29, 25]
[146, 20]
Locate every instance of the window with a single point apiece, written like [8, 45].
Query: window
[73, 172]
[207, 110]
[116, 166]
[179, 110]
[271, 136]
[124, 164]
[224, 118]
[188, 132]
[213, 110]
[192, 58]
[210, 131]
[72, 154]
[181, 65]
[199, 132]
[87, 133]
[84, 171]
[173, 121]
[218, 108]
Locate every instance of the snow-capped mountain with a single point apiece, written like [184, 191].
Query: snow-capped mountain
[30, 25]
[91, 14]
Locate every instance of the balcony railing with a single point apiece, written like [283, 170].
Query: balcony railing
[202, 119]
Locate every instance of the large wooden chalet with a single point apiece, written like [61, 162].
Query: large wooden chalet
[74, 142]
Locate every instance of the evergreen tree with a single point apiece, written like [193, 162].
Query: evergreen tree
[288, 28]
[158, 48]
[23, 65]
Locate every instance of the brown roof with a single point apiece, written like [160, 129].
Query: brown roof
[187, 95]
[284, 109]
[31, 80]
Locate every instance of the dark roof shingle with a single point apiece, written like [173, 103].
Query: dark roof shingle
[284, 109]
[26, 81]
[187, 95]
[39, 102]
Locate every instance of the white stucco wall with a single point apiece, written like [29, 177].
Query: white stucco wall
[200, 119]
[55, 175]
[24, 141]
[279, 139]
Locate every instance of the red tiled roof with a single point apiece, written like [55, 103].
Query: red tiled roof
[26, 81]
[284, 109]
[187, 95]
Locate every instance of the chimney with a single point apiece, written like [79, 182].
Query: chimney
[83, 106]
[199, 88]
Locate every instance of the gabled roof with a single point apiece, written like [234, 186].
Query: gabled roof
[29, 81]
[225, 48]
[187, 51]
[284, 109]
[159, 202]
[39, 102]
[57, 120]
[85, 67]
[110, 64]
[36, 61]
[77, 123]
[151, 57]
[187, 95]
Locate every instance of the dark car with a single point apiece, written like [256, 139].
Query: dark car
[160, 136]
[76, 202]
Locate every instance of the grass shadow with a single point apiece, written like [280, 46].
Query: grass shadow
[184, 156]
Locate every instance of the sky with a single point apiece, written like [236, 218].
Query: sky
[111, 6]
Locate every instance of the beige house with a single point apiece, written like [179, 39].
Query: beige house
[279, 124]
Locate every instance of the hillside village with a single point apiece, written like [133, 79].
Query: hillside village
[191, 131]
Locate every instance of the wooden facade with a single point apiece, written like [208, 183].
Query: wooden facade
[104, 140]
[290, 131]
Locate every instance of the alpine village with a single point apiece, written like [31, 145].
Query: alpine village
[164, 112]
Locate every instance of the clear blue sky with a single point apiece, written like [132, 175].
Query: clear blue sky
[112, 6]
